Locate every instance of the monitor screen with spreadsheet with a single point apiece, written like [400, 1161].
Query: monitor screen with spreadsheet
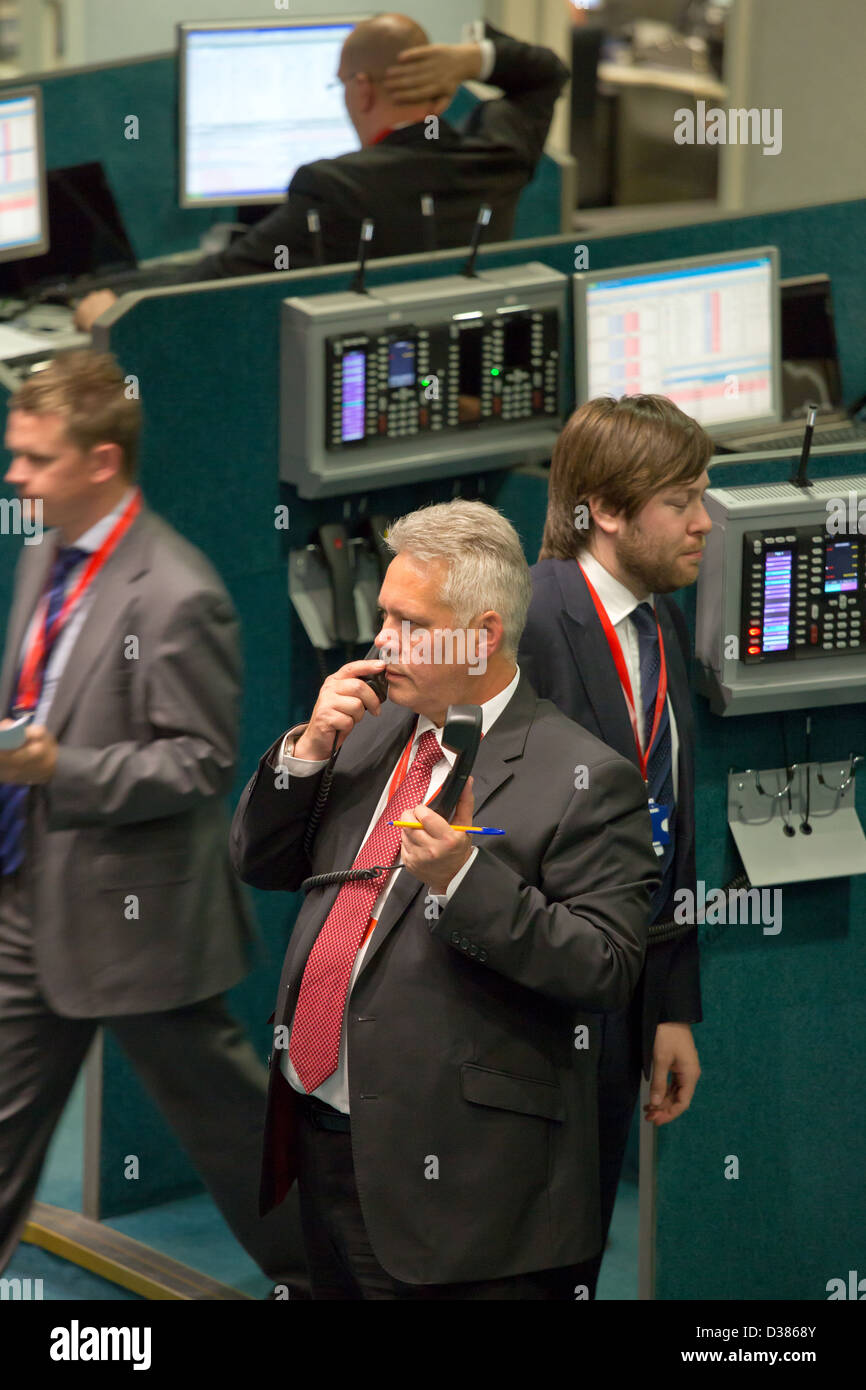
[23, 216]
[702, 331]
[258, 99]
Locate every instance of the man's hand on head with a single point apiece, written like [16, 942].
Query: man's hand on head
[431, 73]
[436, 853]
[92, 307]
[34, 762]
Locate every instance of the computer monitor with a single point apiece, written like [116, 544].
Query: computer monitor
[86, 231]
[703, 331]
[23, 203]
[255, 103]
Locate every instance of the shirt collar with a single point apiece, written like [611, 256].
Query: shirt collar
[618, 600]
[389, 130]
[96, 534]
[490, 712]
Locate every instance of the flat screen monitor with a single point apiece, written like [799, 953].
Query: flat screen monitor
[23, 203]
[703, 331]
[257, 99]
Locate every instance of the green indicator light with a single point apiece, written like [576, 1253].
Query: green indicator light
[425, 381]
[494, 371]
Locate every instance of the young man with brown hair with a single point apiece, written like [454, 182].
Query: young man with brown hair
[625, 528]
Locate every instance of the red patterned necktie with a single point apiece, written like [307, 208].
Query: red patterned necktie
[314, 1047]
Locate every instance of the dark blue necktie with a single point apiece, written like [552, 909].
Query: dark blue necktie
[13, 798]
[660, 776]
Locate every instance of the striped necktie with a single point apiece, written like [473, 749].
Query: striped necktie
[13, 798]
[660, 779]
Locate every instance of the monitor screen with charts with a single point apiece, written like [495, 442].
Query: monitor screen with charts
[258, 99]
[23, 219]
[702, 331]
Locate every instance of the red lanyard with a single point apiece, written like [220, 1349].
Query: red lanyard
[622, 671]
[29, 682]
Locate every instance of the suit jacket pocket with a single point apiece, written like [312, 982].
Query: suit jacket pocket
[502, 1089]
[135, 871]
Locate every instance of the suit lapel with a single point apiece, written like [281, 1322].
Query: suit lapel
[680, 698]
[592, 658]
[111, 597]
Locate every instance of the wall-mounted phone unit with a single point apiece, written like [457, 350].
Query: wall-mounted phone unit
[334, 585]
[427, 379]
[781, 603]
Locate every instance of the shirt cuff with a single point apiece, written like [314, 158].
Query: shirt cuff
[488, 58]
[473, 32]
[296, 767]
[443, 899]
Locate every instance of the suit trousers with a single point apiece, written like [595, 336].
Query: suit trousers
[196, 1064]
[341, 1260]
[619, 1072]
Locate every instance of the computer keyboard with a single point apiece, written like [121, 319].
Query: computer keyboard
[117, 280]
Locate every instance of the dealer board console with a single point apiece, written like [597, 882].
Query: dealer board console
[427, 379]
[781, 605]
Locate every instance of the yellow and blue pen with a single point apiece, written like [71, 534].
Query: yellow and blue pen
[470, 829]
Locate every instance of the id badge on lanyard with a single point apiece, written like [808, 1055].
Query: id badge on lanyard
[660, 817]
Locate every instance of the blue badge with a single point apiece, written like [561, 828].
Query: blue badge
[661, 829]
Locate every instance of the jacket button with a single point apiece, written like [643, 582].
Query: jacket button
[455, 938]
[482, 955]
[473, 949]
[464, 944]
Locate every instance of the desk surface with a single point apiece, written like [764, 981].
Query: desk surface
[696, 84]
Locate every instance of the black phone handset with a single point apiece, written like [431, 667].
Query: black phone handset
[378, 681]
[461, 735]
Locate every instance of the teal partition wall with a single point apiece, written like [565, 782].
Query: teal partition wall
[206, 359]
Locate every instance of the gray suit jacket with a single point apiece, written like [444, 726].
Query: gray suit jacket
[461, 1026]
[134, 904]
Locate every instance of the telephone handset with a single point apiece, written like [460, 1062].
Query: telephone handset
[378, 681]
[461, 735]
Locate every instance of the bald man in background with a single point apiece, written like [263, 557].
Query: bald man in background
[395, 82]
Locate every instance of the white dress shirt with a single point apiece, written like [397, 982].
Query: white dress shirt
[619, 603]
[90, 541]
[334, 1090]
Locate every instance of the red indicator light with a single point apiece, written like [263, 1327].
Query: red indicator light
[753, 651]
[754, 632]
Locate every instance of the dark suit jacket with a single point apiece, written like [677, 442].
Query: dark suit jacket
[490, 161]
[461, 1026]
[564, 652]
[147, 751]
